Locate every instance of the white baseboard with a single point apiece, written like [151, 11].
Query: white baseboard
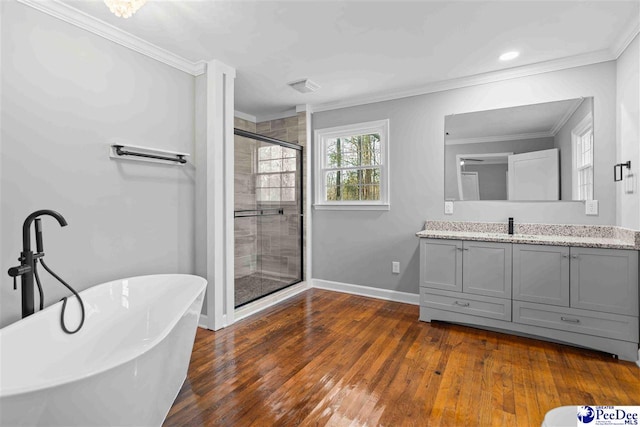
[638, 361]
[269, 300]
[203, 322]
[367, 291]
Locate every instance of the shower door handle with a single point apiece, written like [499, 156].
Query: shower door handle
[257, 212]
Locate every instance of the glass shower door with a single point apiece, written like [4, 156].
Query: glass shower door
[268, 228]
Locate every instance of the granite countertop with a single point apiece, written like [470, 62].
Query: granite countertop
[609, 237]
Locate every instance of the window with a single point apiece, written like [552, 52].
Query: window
[276, 177]
[582, 144]
[352, 170]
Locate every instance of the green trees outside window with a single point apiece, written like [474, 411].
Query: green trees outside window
[353, 168]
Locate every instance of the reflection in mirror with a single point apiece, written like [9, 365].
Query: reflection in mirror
[533, 152]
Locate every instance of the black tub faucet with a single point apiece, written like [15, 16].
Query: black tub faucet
[510, 225]
[26, 269]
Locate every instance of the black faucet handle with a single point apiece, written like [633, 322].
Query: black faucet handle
[18, 271]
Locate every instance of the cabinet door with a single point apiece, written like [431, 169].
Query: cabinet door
[605, 280]
[486, 269]
[541, 274]
[441, 264]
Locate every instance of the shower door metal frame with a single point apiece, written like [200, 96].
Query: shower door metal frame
[300, 164]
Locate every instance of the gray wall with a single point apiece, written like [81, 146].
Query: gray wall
[358, 247]
[66, 95]
[492, 180]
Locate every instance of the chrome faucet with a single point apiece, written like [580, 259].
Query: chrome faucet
[26, 270]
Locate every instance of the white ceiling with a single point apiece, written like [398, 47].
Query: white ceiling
[367, 49]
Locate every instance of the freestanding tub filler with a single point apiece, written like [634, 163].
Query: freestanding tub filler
[125, 367]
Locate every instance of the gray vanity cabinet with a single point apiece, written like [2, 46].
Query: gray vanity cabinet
[541, 274]
[441, 264]
[466, 277]
[486, 269]
[605, 280]
[578, 295]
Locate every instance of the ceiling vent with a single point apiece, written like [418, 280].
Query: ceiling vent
[305, 86]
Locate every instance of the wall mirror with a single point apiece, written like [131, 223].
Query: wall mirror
[538, 152]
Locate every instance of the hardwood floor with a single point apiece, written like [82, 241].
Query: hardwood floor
[328, 358]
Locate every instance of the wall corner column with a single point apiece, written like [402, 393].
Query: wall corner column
[214, 190]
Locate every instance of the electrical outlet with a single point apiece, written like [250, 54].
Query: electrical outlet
[591, 207]
[395, 267]
[448, 208]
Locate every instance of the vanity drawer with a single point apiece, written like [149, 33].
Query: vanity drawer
[575, 320]
[477, 305]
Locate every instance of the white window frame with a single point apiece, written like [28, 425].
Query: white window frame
[322, 137]
[577, 133]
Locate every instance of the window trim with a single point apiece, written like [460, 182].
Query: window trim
[321, 137]
[585, 125]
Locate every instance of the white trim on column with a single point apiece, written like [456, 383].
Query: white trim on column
[229, 195]
[219, 169]
[308, 209]
[367, 291]
[73, 16]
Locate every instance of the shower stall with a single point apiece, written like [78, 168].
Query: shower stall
[267, 215]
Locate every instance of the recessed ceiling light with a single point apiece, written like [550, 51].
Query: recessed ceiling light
[508, 56]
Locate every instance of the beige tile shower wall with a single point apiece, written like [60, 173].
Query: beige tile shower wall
[245, 229]
[286, 129]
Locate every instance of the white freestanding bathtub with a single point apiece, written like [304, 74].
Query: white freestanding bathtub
[125, 367]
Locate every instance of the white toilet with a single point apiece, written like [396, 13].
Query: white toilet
[563, 416]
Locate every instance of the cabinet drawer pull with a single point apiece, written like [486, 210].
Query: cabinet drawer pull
[565, 255]
[574, 256]
[462, 304]
[569, 319]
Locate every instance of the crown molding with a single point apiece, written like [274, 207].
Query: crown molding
[244, 116]
[567, 115]
[103, 29]
[281, 115]
[626, 37]
[478, 79]
[498, 138]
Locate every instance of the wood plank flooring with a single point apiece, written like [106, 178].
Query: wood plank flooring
[331, 359]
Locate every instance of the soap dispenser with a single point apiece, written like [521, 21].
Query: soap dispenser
[510, 225]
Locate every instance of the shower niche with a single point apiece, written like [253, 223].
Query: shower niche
[267, 215]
